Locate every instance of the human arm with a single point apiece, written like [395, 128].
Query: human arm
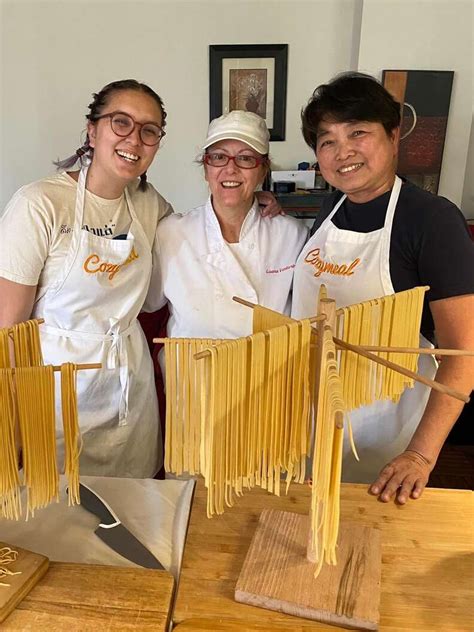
[407, 474]
[155, 298]
[16, 305]
[16, 302]
[269, 206]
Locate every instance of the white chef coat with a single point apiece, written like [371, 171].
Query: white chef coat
[90, 316]
[200, 272]
[355, 267]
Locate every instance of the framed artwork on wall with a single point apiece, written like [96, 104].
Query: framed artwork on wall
[250, 77]
[425, 95]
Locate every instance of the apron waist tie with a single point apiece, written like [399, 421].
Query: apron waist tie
[117, 355]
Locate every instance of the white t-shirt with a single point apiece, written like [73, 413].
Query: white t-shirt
[36, 228]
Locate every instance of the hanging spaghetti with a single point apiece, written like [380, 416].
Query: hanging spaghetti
[183, 403]
[4, 349]
[252, 423]
[10, 499]
[327, 458]
[26, 344]
[392, 320]
[36, 415]
[265, 319]
[72, 437]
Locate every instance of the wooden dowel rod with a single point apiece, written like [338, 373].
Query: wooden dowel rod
[202, 354]
[79, 367]
[441, 388]
[40, 321]
[84, 367]
[341, 310]
[242, 301]
[420, 350]
[317, 319]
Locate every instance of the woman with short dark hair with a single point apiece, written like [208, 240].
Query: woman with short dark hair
[393, 236]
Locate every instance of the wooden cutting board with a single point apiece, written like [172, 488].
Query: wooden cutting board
[31, 568]
[89, 597]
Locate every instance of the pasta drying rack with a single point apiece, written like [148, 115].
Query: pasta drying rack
[20, 569]
[279, 569]
[279, 576]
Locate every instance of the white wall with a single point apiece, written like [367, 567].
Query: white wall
[427, 35]
[55, 54]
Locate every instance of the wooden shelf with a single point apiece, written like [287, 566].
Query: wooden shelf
[302, 205]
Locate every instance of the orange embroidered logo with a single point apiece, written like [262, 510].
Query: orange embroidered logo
[93, 264]
[321, 266]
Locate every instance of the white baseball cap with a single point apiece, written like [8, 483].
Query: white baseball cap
[248, 127]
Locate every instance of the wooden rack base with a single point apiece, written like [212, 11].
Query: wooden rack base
[276, 574]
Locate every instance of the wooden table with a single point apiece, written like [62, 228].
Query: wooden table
[91, 598]
[427, 561]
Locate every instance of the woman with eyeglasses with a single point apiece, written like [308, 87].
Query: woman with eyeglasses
[76, 250]
[225, 248]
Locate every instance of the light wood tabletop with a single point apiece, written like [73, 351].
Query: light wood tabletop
[427, 561]
[90, 598]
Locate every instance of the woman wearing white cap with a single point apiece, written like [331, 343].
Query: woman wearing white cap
[225, 248]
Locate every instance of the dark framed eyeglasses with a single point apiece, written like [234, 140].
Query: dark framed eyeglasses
[123, 125]
[243, 161]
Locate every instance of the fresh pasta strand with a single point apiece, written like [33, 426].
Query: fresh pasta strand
[7, 557]
[10, 499]
[36, 415]
[327, 458]
[72, 436]
[4, 349]
[184, 404]
[26, 344]
[265, 319]
[255, 412]
[392, 320]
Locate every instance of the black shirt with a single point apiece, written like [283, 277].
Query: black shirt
[430, 243]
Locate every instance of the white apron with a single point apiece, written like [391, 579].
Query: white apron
[91, 316]
[360, 271]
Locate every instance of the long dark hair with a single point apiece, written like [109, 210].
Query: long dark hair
[99, 102]
[350, 96]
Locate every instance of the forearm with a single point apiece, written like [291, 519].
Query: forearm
[442, 411]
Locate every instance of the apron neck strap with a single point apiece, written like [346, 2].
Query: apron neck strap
[80, 197]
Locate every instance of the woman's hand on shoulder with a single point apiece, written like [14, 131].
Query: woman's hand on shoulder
[269, 207]
[404, 477]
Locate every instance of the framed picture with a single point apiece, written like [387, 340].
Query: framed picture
[250, 77]
[425, 95]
